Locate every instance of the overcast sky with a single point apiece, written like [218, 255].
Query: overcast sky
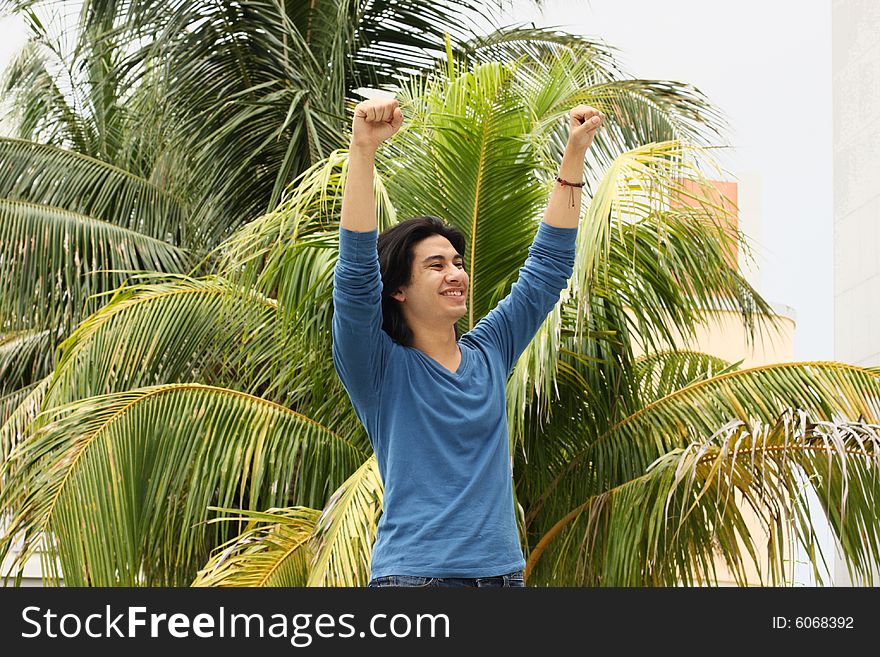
[767, 66]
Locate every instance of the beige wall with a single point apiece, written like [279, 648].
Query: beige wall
[725, 336]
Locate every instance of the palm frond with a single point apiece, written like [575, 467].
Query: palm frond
[52, 260]
[305, 547]
[638, 112]
[673, 267]
[661, 373]
[261, 252]
[25, 357]
[593, 389]
[173, 451]
[830, 392]
[406, 36]
[344, 534]
[687, 513]
[537, 44]
[646, 111]
[47, 175]
[273, 550]
[643, 183]
[667, 266]
[474, 172]
[176, 329]
[18, 410]
[40, 110]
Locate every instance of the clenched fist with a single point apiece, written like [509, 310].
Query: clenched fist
[583, 123]
[375, 121]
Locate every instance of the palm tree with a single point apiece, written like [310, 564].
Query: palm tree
[627, 470]
[158, 129]
[195, 414]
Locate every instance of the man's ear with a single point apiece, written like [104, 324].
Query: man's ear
[399, 296]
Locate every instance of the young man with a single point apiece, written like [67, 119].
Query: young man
[433, 404]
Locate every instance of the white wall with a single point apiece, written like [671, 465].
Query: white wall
[855, 66]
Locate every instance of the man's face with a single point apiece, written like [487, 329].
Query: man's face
[437, 292]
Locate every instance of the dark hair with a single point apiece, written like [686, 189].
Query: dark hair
[396, 245]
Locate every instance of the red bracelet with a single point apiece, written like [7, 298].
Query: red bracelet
[562, 181]
[565, 183]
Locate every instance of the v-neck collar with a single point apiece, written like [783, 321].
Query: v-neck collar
[462, 364]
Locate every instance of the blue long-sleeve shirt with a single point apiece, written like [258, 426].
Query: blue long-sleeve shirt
[441, 438]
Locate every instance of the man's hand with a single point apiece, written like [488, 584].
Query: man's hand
[375, 121]
[584, 121]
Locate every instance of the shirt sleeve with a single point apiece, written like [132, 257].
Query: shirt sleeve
[360, 346]
[511, 325]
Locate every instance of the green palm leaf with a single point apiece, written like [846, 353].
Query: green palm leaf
[273, 550]
[174, 330]
[205, 330]
[301, 547]
[173, 451]
[638, 183]
[53, 260]
[829, 392]
[344, 534]
[40, 107]
[571, 69]
[670, 269]
[262, 252]
[18, 410]
[474, 172]
[669, 265]
[662, 373]
[25, 357]
[47, 175]
[285, 70]
[673, 522]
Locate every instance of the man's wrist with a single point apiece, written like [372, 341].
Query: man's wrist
[575, 151]
[572, 166]
[361, 152]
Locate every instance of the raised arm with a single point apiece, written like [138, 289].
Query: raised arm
[563, 208]
[360, 346]
[512, 324]
[374, 122]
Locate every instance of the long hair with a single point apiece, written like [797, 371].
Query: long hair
[396, 246]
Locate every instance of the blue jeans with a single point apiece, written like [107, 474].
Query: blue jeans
[514, 579]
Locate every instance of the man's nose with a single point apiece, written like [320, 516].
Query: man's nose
[453, 273]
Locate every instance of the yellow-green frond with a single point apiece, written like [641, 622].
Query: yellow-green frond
[345, 532]
[170, 451]
[273, 550]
